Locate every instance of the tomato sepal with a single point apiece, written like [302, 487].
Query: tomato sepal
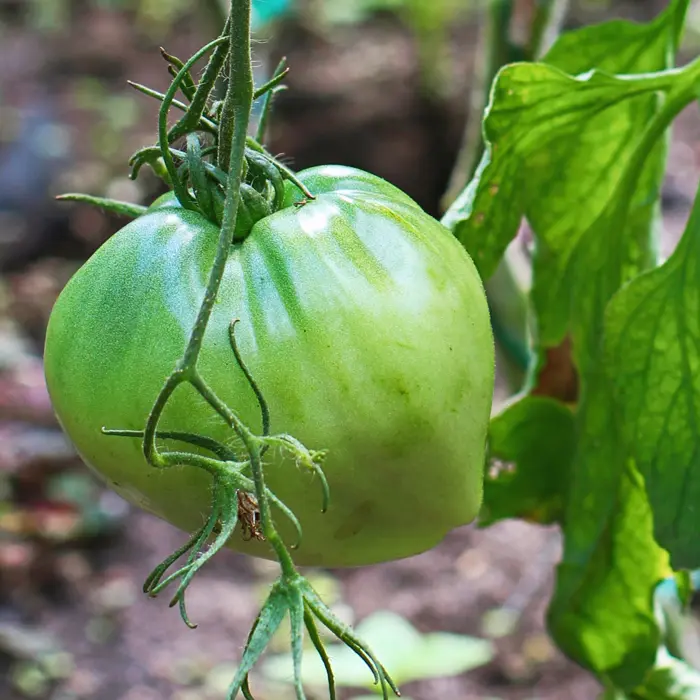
[113, 206]
[293, 595]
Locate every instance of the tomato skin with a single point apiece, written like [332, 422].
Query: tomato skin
[364, 323]
[165, 201]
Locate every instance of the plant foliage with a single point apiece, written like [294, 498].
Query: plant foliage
[576, 145]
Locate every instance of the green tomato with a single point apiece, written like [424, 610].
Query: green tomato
[164, 201]
[364, 323]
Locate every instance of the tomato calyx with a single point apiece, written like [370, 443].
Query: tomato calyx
[197, 175]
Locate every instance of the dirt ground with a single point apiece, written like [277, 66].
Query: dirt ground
[126, 647]
[78, 602]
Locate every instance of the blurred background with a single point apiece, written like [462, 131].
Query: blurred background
[391, 86]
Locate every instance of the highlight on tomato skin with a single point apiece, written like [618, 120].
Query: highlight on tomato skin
[363, 322]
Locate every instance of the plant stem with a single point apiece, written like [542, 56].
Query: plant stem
[269, 530]
[204, 123]
[234, 120]
[164, 135]
[492, 53]
[545, 26]
[204, 89]
[254, 449]
[235, 117]
[235, 112]
[497, 49]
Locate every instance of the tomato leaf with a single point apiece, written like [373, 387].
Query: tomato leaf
[619, 46]
[557, 146]
[653, 357]
[671, 679]
[602, 613]
[594, 231]
[531, 123]
[588, 246]
[531, 445]
[583, 160]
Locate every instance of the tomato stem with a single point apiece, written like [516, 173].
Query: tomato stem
[204, 123]
[254, 447]
[236, 115]
[198, 106]
[268, 91]
[233, 141]
[235, 111]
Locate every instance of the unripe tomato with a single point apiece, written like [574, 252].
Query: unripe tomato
[364, 323]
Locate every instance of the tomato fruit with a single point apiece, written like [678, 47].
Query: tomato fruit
[364, 323]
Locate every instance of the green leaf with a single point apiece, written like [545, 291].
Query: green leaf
[595, 231]
[269, 619]
[534, 442]
[582, 159]
[113, 206]
[653, 357]
[629, 217]
[602, 613]
[557, 147]
[616, 46]
[409, 654]
[671, 679]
